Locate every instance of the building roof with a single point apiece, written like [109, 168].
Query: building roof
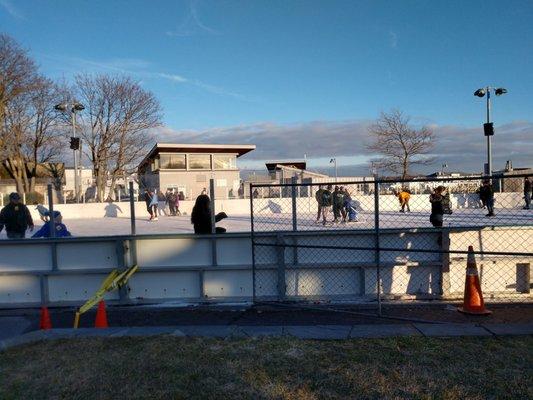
[239, 149]
[273, 164]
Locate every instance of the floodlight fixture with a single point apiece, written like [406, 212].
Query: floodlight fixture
[78, 107]
[479, 93]
[61, 107]
[500, 91]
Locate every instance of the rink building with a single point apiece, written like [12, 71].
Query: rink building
[189, 167]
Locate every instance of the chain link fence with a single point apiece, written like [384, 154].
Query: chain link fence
[386, 241]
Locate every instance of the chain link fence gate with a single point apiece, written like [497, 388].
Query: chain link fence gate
[308, 250]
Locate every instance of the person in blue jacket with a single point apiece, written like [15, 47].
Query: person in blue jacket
[60, 228]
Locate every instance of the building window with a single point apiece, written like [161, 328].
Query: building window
[155, 164]
[172, 161]
[223, 161]
[199, 161]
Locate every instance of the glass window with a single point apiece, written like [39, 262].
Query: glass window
[172, 161]
[223, 161]
[199, 161]
[155, 164]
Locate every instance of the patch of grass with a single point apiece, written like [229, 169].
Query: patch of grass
[277, 368]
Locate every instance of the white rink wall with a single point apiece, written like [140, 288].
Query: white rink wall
[276, 205]
[192, 269]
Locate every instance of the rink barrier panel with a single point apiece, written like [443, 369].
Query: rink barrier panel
[184, 267]
[242, 206]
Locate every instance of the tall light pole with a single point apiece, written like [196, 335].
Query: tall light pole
[334, 161]
[75, 143]
[488, 127]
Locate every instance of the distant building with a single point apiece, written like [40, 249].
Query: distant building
[188, 168]
[85, 183]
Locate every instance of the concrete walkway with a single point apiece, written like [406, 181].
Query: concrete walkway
[320, 332]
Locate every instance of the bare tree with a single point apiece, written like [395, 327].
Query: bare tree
[115, 125]
[18, 73]
[399, 144]
[28, 126]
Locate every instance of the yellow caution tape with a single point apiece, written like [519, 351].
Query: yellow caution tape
[114, 280]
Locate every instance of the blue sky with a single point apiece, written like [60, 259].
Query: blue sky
[216, 65]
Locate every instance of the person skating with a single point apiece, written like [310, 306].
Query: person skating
[148, 196]
[161, 203]
[16, 218]
[338, 203]
[486, 194]
[349, 207]
[527, 193]
[481, 198]
[201, 216]
[404, 196]
[327, 201]
[171, 201]
[177, 203]
[344, 211]
[318, 198]
[437, 210]
[60, 229]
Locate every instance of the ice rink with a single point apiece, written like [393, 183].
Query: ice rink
[283, 222]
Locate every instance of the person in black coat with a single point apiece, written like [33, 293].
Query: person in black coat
[486, 193]
[201, 216]
[16, 218]
[437, 208]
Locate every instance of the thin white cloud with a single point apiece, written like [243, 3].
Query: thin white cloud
[140, 68]
[393, 39]
[172, 77]
[192, 25]
[11, 9]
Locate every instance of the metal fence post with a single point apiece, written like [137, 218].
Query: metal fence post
[253, 242]
[52, 225]
[51, 210]
[213, 221]
[294, 180]
[280, 251]
[377, 243]
[132, 210]
[293, 196]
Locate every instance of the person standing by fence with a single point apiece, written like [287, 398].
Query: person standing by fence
[437, 209]
[527, 193]
[318, 198]
[338, 203]
[327, 201]
[16, 218]
[486, 193]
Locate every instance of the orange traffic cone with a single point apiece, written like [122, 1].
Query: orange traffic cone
[45, 322]
[101, 316]
[473, 299]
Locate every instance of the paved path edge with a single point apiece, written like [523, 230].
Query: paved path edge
[316, 332]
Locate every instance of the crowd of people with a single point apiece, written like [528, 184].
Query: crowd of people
[339, 201]
[159, 203]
